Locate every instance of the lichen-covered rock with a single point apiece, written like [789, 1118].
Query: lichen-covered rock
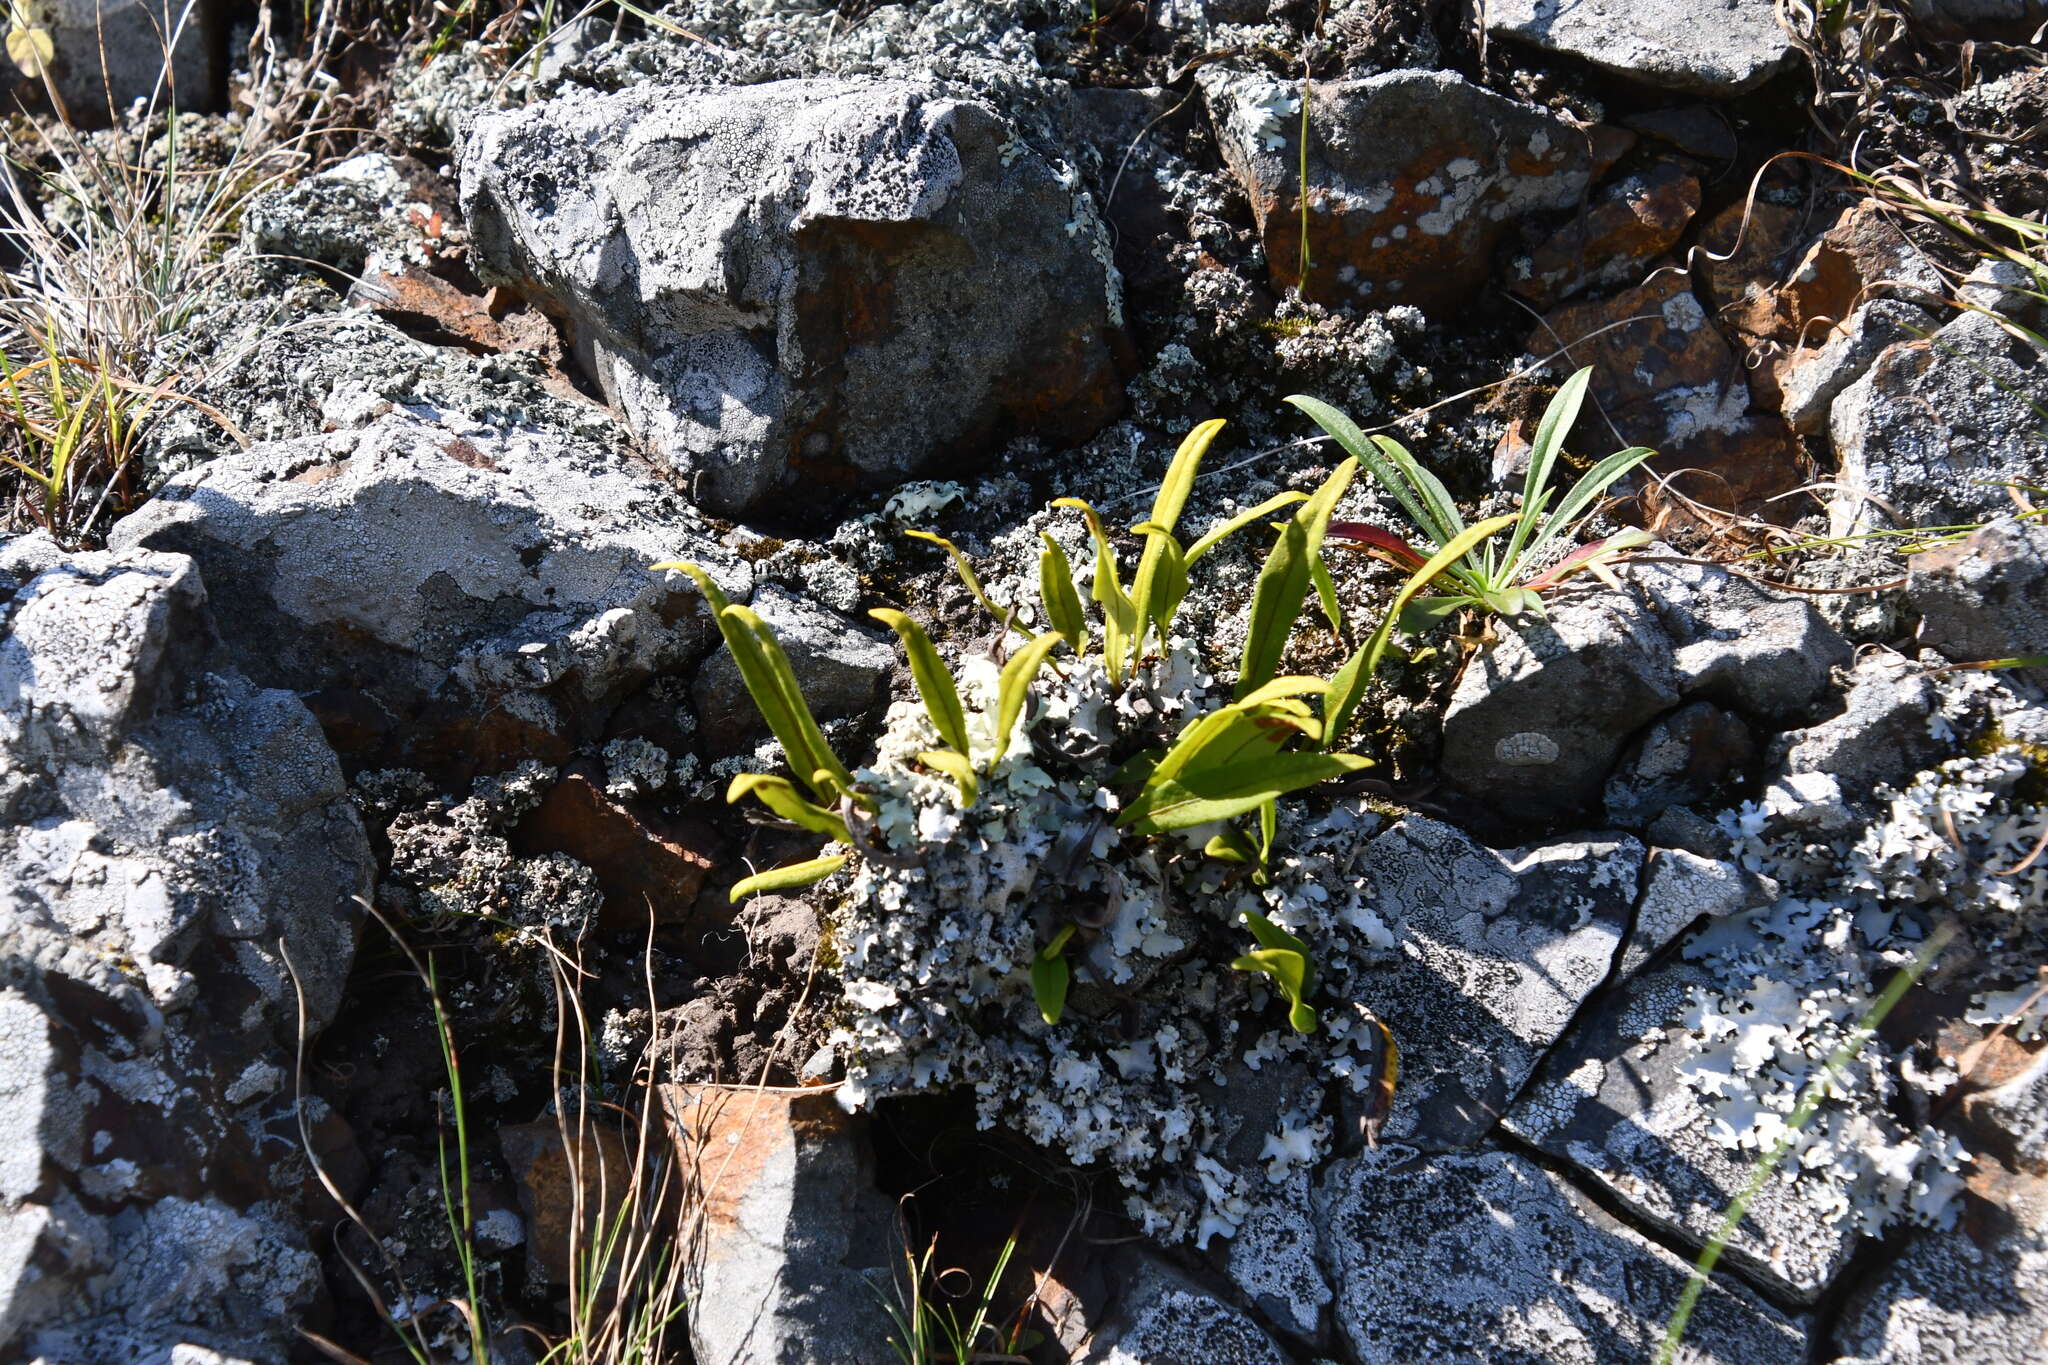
[1489, 1257]
[1412, 178]
[1889, 729]
[1811, 378]
[1927, 435]
[177, 862]
[790, 1246]
[1985, 597]
[1684, 758]
[1628, 226]
[1767, 655]
[1681, 888]
[1543, 714]
[1275, 1261]
[1973, 1295]
[1162, 1317]
[820, 280]
[453, 596]
[840, 666]
[1705, 47]
[1498, 950]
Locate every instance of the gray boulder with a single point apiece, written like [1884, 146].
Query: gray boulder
[789, 1244]
[1882, 735]
[819, 281]
[1812, 379]
[1705, 47]
[111, 53]
[1769, 656]
[1985, 597]
[841, 667]
[1488, 1257]
[1926, 436]
[1680, 888]
[1413, 176]
[1161, 1316]
[451, 596]
[177, 861]
[1498, 950]
[1612, 1102]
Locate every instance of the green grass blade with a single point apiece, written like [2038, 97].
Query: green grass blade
[1590, 487]
[934, 680]
[966, 572]
[1161, 584]
[1284, 580]
[788, 878]
[1444, 523]
[769, 677]
[1119, 612]
[1203, 795]
[1346, 434]
[780, 795]
[1049, 979]
[1558, 419]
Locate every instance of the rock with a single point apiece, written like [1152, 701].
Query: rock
[1489, 1257]
[451, 597]
[1985, 597]
[1162, 1317]
[840, 667]
[1925, 437]
[1498, 949]
[1613, 242]
[1705, 47]
[177, 861]
[1863, 256]
[1542, 716]
[1611, 1102]
[2012, 1118]
[1671, 382]
[1770, 656]
[591, 1166]
[1686, 757]
[647, 863]
[789, 1241]
[1695, 129]
[1412, 178]
[2001, 285]
[1679, 890]
[1810, 380]
[1881, 737]
[1977, 1293]
[1273, 1261]
[347, 216]
[110, 53]
[838, 282]
[2012, 20]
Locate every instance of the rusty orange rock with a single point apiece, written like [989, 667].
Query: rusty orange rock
[1612, 242]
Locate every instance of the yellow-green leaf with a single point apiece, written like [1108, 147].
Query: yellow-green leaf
[769, 677]
[956, 766]
[1284, 581]
[1205, 794]
[1287, 970]
[1167, 505]
[1119, 613]
[1242, 520]
[934, 680]
[966, 572]
[1015, 684]
[31, 50]
[780, 795]
[788, 878]
[1056, 592]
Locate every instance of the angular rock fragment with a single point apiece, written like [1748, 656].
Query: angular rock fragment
[805, 282]
[1682, 759]
[646, 863]
[1770, 656]
[1681, 888]
[1975, 1293]
[1613, 1103]
[1706, 47]
[1163, 1317]
[1273, 1259]
[1489, 1257]
[452, 598]
[1928, 434]
[1883, 735]
[1810, 379]
[1614, 241]
[178, 859]
[1498, 951]
[788, 1241]
[1986, 597]
[1412, 178]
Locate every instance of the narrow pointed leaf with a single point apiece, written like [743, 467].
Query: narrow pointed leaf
[1326, 593]
[788, 878]
[1354, 441]
[966, 572]
[781, 796]
[1286, 969]
[1197, 797]
[1284, 581]
[1015, 684]
[1584, 494]
[1119, 614]
[1237, 523]
[1049, 978]
[767, 673]
[1056, 593]
[1558, 419]
[934, 680]
[956, 766]
[1379, 544]
[1160, 586]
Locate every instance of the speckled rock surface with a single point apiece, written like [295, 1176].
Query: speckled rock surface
[1987, 597]
[1413, 176]
[1497, 952]
[1924, 437]
[440, 585]
[1162, 1317]
[1488, 1257]
[177, 858]
[1681, 888]
[837, 280]
[1886, 731]
[110, 53]
[1706, 47]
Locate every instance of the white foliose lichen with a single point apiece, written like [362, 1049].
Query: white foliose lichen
[1151, 1069]
[1860, 898]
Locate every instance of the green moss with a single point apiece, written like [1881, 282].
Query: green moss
[2033, 788]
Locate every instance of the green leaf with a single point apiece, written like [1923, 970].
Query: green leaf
[1205, 794]
[1346, 433]
[1326, 593]
[1119, 613]
[1049, 978]
[1167, 505]
[1444, 523]
[1558, 420]
[1231, 846]
[1269, 828]
[1425, 614]
[934, 680]
[1243, 519]
[1288, 970]
[966, 572]
[788, 878]
[1015, 685]
[1284, 581]
[1593, 485]
[769, 678]
[1056, 592]
[780, 795]
[956, 766]
[1161, 585]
